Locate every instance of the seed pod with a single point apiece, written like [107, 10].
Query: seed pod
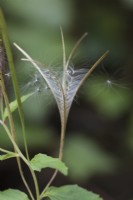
[4, 68]
[2, 60]
[2, 56]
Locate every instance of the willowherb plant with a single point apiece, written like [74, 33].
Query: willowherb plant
[64, 91]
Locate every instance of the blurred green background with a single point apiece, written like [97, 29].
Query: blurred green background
[99, 136]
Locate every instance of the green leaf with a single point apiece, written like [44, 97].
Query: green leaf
[14, 105]
[41, 161]
[12, 194]
[70, 192]
[8, 155]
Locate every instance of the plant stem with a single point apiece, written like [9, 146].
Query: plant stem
[3, 29]
[5, 151]
[62, 115]
[23, 158]
[62, 137]
[13, 132]
[21, 155]
[13, 139]
[14, 143]
[60, 157]
[5, 39]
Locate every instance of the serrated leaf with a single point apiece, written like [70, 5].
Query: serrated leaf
[12, 194]
[41, 161]
[70, 192]
[8, 155]
[14, 105]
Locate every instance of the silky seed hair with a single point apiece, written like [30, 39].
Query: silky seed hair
[65, 91]
[38, 85]
[73, 78]
[108, 80]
